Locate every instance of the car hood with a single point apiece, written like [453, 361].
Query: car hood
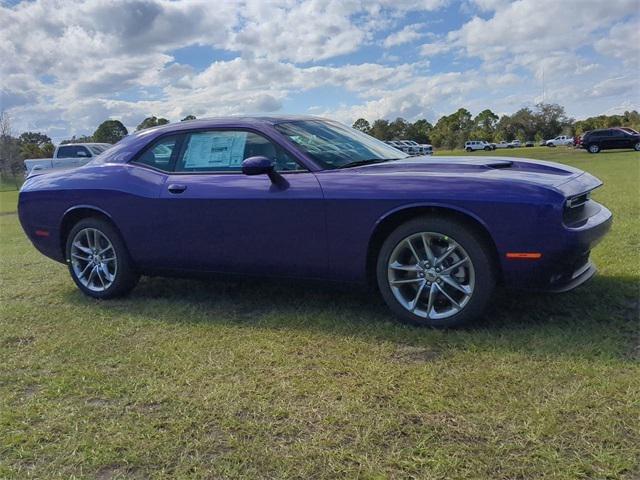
[500, 168]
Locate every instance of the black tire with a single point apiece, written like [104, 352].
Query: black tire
[476, 248]
[593, 148]
[636, 147]
[468, 149]
[126, 277]
[487, 148]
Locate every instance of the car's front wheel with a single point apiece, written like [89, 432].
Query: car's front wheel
[435, 272]
[98, 260]
[593, 148]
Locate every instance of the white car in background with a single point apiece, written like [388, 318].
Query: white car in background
[397, 144]
[411, 147]
[504, 144]
[472, 145]
[559, 141]
[419, 148]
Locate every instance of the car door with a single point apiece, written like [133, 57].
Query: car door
[215, 218]
[621, 139]
[606, 139]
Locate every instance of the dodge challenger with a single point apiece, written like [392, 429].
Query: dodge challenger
[306, 197]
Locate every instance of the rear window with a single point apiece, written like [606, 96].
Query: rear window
[73, 151]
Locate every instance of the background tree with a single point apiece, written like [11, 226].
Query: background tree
[188, 117]
[398, 129]
[10, 160]
[484, 125]
[80, 139]
[110, 131]
[629, 119]
[48, 149]
[362, 125]
[31, 150]
[551, 120]
[151, 122]
[35, 138]
[380, 130]
[420, 131]
[451, 131]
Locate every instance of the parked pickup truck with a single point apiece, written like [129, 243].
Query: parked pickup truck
[65, 156]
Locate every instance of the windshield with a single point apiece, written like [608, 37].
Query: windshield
[333, 145]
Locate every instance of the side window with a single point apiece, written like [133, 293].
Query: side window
[72, 151]
[224, 151]
[160, 154]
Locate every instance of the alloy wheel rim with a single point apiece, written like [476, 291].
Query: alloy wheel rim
[637, 146]
[593, 148]
[93, 259]
[431, 275]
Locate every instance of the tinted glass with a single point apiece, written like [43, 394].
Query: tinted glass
[224, 151]
[160, 154]
[333, 145]
[72, 151]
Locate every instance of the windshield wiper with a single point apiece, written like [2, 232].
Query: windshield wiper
[370, 161]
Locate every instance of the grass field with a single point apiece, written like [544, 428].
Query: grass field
[249, 379]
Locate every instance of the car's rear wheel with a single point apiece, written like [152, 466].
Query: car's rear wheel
[487, 148]
[636, 147]
[435, 272]
[593, 148]
[98, 260]
[469, 149]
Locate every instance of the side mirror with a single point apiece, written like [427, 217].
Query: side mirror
[257, 166]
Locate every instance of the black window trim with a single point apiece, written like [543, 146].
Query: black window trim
[183, 135]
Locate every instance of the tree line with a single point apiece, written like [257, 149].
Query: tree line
[544, 121]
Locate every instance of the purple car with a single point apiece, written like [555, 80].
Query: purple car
[305, 197]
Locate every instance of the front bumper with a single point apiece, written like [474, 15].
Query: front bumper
[565, 263]
[573, 280]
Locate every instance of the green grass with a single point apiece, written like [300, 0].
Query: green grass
[197, 379]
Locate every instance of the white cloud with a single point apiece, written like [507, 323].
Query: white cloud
[623, 42]
[537, 27]
[66, 66]
[408, 34]
[612, 87]
[435, 48]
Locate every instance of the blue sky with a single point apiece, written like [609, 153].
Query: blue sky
[67, 66]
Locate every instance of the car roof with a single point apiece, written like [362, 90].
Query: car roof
[246, 121]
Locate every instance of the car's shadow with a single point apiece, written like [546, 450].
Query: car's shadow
[599, 319]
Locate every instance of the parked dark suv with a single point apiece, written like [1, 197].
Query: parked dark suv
[610, 138]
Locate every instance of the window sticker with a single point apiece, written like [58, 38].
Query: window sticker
[215, 150]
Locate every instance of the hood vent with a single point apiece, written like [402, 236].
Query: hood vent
[500, 164]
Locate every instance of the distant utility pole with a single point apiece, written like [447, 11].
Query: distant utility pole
[543, 81]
